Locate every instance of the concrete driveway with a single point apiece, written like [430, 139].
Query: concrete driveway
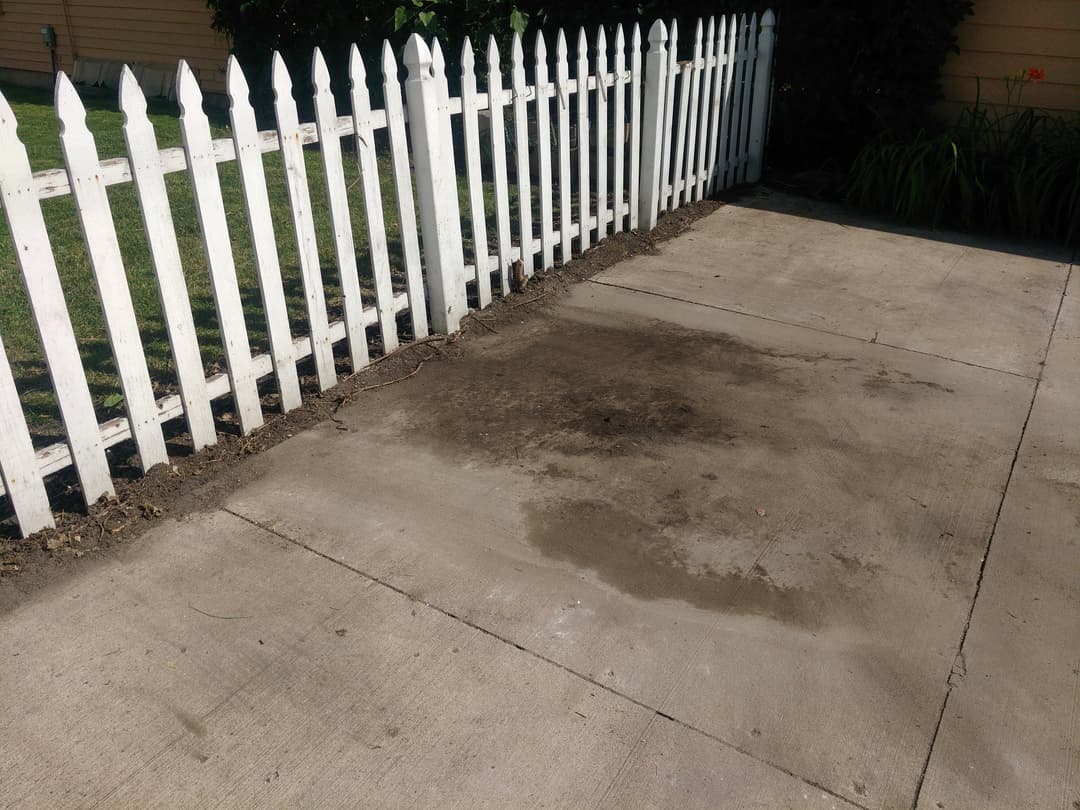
[785, 515]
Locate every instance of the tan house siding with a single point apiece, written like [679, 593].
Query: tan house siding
[133, 31]
[1004, 37]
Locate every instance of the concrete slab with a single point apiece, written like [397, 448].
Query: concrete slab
[1010, 734]
[636, 551]
[106, 670]
[979, 301]
[308, 685]
[770, 533]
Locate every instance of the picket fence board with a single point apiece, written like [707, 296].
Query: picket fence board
[762, 88]
[543, 153]
[691, 139]
[470, 128]
[601, 130]
[406, 210]
[671, 76]
[678, 179]
[337, 197]
[584, 141]
[446, 277]
[618, 131]
[520, 92]
[371, 189]
[723, 157]
[562, 111]
[210, 209]
[501, 181]
[747, 81]
[26, 225]
[737, 102]
[708, 69]
[18, 464]
[107, 267]
[715, 104]
[635, 126]
[261, 227]
[657, 134]
[299, 196]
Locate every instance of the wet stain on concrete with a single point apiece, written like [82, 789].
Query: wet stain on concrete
[637, 558]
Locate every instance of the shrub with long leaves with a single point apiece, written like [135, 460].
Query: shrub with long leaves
[1009, 169]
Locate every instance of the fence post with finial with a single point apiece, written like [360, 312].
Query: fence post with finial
[436, 191]
[652, 135]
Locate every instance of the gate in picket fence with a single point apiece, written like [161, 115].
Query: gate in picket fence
[648, 138]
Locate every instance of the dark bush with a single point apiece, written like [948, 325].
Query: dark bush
[846, 70]
[1008, 170]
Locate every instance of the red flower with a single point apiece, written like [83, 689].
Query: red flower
[1035, 74]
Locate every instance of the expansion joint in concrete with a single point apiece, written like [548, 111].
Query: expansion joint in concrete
[959, 668]
[654, 712]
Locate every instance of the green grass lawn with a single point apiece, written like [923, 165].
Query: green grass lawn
[38, 129]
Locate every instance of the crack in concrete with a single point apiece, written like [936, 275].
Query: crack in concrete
[819, 330]
[956, 675]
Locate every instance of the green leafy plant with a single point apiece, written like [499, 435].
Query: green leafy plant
[1009, 169]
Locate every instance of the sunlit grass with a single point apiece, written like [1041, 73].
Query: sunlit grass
[39, 130]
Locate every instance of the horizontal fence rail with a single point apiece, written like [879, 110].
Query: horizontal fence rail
[602, 140]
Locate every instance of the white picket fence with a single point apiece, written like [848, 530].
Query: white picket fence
[646, 141]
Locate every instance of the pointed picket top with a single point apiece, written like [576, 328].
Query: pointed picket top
[132, 100]
[620, 39]
[635, 37]
[541, 48]
[492, 54]
[768, 19]
[698, 33]
[69, 107]
[280, 80]
[560, 45]
[320, 75]
[438, 61]
[417, 55]
[236, 84]
[601, 70]
[357, 71]
[390, 68]
[582, 43]
[468, 58]
[517, 52]
[658, 33]
[188, 93]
